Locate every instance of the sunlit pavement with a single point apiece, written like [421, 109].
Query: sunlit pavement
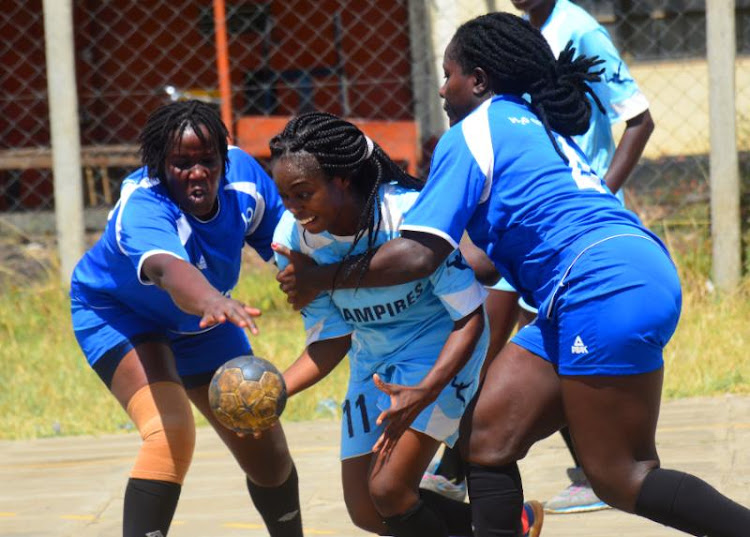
[73, 486]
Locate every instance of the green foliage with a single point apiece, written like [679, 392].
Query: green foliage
[49, 389]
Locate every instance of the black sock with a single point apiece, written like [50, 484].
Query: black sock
[279, 506]
[686, 503]
[455, 514]
[419, 521]
[496, 499]
[149, 507]
[451, 465]
[565, 432]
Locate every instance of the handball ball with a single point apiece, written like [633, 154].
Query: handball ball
[247, 394]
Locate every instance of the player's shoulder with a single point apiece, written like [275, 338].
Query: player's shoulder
[242, 167]
[576, 19]
[286, 229]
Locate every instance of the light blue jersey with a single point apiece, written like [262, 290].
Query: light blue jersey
[617, 90]
[397, 331]
[400, 323]
[146, 222]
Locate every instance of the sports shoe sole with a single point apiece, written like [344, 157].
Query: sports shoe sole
[599, 506]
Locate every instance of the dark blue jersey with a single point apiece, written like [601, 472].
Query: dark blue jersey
[146, 221]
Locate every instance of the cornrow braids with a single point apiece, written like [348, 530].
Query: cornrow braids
[341, 149]
[165, 126]
[518, 60]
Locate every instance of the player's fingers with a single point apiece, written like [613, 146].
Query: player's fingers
[281, 249]
[383, 416]
[254, 312]
[382, 386]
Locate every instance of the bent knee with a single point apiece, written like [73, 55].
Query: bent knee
[619, 485]
[164, 418]
[392, 497]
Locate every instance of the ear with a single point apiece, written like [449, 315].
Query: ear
[342, 182]
[481, 82]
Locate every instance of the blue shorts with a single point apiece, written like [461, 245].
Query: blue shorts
[615, 309]
[364, 402]
[107, 334]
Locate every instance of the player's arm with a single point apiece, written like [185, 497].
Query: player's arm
[637, 132]
[315, 363]
[408, 401]
[193, 293]
[484, 268]
[412, 256]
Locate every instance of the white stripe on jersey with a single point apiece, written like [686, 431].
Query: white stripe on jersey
[476, 130]
[127, 189]
[183, 229]
[254, 217]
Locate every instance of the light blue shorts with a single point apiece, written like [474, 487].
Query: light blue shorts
[106, 335]
[611, 315]
[364, 402]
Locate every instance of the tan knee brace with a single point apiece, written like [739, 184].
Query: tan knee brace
[162, 413]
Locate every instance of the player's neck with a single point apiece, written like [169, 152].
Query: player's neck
[539, 15]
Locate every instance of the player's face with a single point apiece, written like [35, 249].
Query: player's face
[193, 171]
[318, 202]
[458, 90]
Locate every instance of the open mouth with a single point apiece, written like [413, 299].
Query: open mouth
[305, 221]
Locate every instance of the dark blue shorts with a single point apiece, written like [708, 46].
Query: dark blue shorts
[107, 334]
[616, 308]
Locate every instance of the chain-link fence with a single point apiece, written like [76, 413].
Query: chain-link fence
[373, 61]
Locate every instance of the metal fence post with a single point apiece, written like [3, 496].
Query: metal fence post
[66, 145]
[724, 168]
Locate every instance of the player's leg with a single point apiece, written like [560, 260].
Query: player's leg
[137, 366]
[502, 307]
[519, 403]
[354, 478]
[613, 423]
[612, 387]
[271, 477]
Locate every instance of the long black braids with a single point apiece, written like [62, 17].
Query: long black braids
[518, 60]
[165, 126]
[342, 149]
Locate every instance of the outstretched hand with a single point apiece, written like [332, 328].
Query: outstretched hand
[225, 309]
[299, 292]
[406, 404]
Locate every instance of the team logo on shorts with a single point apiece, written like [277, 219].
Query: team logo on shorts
[579, 347]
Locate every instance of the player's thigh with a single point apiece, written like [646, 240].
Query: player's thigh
[265, 460]
[612, 421]
[359, 504]
[146, 363]
[502, 313]
[518, 404]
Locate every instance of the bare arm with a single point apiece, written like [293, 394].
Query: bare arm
[400, 260]
[637, 132]
[315, 362]
[484, 269]
[192, 292]
[408, 401]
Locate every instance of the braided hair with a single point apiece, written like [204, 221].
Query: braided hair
[166, 125]
[518, 60]
[342, 150]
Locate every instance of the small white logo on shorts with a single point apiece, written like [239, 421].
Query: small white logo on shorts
[156, 533]
[201, 264]
[578, 347]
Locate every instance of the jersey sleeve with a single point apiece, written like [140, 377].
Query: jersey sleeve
[456, 287]
[264, 208]
[453, 191]
[617, 90]
[322, 319]
[147, 224]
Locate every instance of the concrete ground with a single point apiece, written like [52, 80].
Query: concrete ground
[73, 486]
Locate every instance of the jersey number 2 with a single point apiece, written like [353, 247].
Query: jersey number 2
[582, 173]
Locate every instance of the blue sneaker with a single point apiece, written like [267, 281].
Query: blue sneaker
[578, 497]
[442, 485]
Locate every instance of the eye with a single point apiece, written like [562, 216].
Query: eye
[210, 162]
[304, 196]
